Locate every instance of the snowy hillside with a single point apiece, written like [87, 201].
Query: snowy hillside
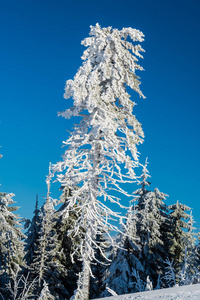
[191, 292]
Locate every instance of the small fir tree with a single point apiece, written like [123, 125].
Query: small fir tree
[188, 273]
[11, 241]
[122, 276]
[179, 225]
[32, 237]
[44, 266]
[151, 215]
[67, 258]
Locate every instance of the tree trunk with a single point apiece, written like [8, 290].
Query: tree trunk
[83, 289]
[82, 292]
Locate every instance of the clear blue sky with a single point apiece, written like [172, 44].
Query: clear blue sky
[40, 49]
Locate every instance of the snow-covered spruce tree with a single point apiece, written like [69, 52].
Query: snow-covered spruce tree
[69, 265]
[122, 276]
[107, 135]
[189, 273]
[151, 214]
[44, 266]
[11, 242]
[67, 255]
[32, 237]
[179, 224]
[43, 252]
[118, 274]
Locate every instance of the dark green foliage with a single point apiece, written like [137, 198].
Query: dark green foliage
[179, 234]
[45, 265]
[32, 241]
[67, 259]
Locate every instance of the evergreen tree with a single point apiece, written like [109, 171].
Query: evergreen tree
[45, 235]
[32, 237]
[11, 241]
[179, 225]
[151, 215]
[189, 273]
[45, 243]
[45, 265]
[67, 258]
[122, 274]
[101, 144]
[119, 274]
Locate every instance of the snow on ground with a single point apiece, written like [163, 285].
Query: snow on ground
[186, 292]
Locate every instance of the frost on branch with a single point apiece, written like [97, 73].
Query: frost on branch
[151, 213]
[105, 141]
[12, 245]
[45, 293]
[169, 276]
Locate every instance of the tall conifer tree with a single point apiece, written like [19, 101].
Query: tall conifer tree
[108, 133]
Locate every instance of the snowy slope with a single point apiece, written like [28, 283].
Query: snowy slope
[191, 292]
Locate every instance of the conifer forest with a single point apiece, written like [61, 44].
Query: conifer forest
[81, 246]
